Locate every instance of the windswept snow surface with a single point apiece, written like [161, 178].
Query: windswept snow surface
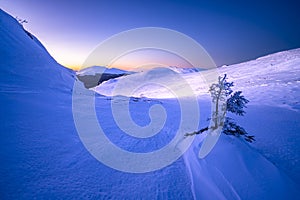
[184, 70]
[272, 80]
[41, 153]
[42, 157]
[272, 85]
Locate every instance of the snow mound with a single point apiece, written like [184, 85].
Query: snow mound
[234, 170]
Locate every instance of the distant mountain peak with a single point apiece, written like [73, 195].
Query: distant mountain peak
[101, 70]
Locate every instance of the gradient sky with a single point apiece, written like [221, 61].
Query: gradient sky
[231, 32]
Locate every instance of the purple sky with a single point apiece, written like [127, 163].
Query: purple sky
[230, 32]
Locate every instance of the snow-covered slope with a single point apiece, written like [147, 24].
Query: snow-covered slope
[159, 81]
[270, 80]
[184, 70]
[271, 83]
[42, 156]
[24, 59]
[233, 170]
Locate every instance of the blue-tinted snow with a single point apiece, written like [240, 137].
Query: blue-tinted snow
[42, 156]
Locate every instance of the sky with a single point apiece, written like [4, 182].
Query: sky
[231, 32]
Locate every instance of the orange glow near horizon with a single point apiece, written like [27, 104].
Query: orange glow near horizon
[132, 61]
[148, 58]
[74, 67]
[136, 61]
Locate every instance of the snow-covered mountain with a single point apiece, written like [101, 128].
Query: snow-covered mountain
[100, 70]
[95, 75]
[42, 156]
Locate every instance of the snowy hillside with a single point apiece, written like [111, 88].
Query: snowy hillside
[24, 59]
[43, 157]
[269, 80]
[184, 70]
[272, 85]
[154, 80]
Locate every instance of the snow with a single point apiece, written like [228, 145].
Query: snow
[234, 170]
[277, 136]
[17, 47]
[157, 84]
[184, 70]
[270, 80]
[42, 156]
